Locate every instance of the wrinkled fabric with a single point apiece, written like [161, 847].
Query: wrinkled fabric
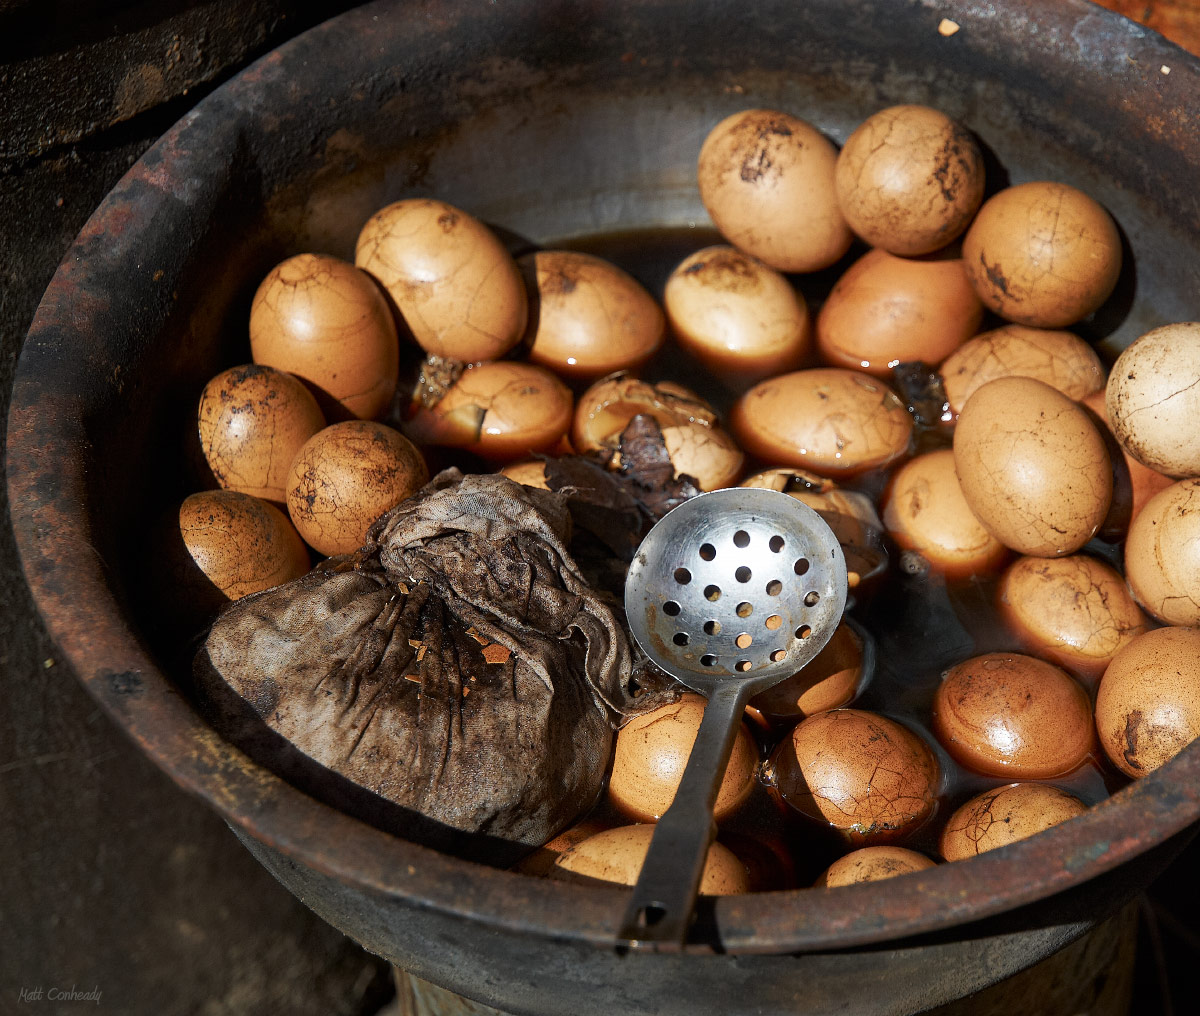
[459, 665]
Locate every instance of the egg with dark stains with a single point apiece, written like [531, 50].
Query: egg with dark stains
[1004, 815]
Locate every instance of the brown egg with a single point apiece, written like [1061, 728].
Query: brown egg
[868, 778]
[909, 179]
[1148, 704]
[1162, 554]
[500, 410]
[1076, 610]
[1154, 402]
[588, 317]
[1032, 466]
[887, 310]
[616, 855]
[849, 513]
[1042, 254]
[766, 179]
[737, 316]
[345, 477]
[834, 422]
[456, 286]
[1004, 815]
[1060, 359]
[695, 441]
[219, 546]
[831, 679]
[1133, 483]
[326, 322]
[924, 511]
[252, 421]
[872, 864]
[1004, 714]
[540, 862]
[530, 473]
[652, 750]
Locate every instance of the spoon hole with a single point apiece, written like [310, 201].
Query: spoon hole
[709, 660]
[803, 632]
[683, 576]
[743, 665]
[743, 574]
[810, 600]
[671, 608]
[712, 593]
[745, 609]
[801, 566]
[744, 641]
[681, 638]
[712, 627]
[774, 622]
[708, 551]
[774, 587]
[741, 539]
[776, 544]
[779, 656]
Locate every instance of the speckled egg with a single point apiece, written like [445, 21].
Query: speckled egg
[1032, 466]
[832, 421]
[1005, 815]
[873, 864]
[325, 321]
[1074, 610]
[1148, 703]
[345, 477]
[457, 288]
[252, 421]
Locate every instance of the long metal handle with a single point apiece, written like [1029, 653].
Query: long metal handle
[660, 911]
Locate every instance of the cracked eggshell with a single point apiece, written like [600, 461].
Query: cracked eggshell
[325, 321]
[1162, 554]
[909, 178]
[872, 864]
[832, 421]
[1153, 399]
[924, 511]
[849, 513]
[1075, 610]
[588, 317]
[455, 285]
[617, 855]
[1006, 714]
[501, 410]
[736, 315]
[345, 477]
[1148, 703]
[1032, 466]
[767, 180]
[1060, 359]
[1042, 254]
[887, 310]
[1005, 815]
[695, 441]
[652, 751]
[252, 421]
[869, 778]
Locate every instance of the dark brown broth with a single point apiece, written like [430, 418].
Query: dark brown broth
[922, 624]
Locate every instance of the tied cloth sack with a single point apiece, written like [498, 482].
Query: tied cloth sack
[456, 679]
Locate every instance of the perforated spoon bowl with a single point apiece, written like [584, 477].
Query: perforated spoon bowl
[730, 593]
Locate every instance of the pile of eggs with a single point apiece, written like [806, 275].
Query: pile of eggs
[1065, 493]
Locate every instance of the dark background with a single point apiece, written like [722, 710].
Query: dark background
[110, 877]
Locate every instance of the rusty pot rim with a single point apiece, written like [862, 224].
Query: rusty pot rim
[49, 497]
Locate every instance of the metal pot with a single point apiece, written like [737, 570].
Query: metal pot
[557, 119]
